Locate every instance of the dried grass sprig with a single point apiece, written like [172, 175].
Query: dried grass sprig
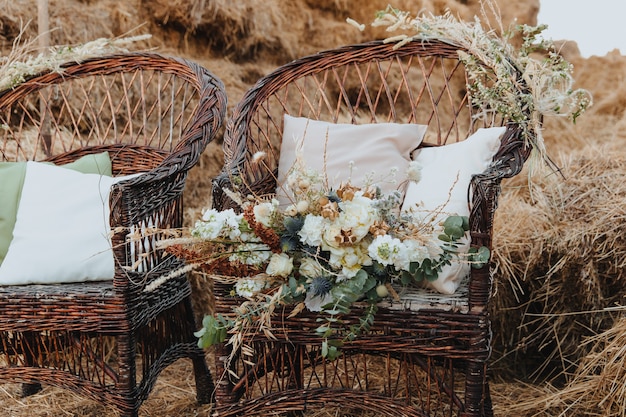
[547, 87]
[25, 58]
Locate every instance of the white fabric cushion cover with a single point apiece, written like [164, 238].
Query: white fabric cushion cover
[329, 148]
[445, 177]
[62, 231]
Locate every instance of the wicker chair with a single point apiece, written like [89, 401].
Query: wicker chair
[109, 340]
[429, 359]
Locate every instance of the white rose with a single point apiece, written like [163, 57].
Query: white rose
[349, 259]
[311, 268]
[280, 265]
[357, 215]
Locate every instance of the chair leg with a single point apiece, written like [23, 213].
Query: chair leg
[205, 389]
[30, 359]
[126, 386]
[30, 389]
[477, 397]
[224, 395]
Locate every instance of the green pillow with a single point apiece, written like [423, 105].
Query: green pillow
[11, 182]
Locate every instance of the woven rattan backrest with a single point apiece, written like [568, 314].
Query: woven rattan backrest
[141, 100]
[421, 83]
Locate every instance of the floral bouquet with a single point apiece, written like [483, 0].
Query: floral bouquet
[324, 252]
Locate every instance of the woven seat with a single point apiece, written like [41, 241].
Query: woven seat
[109, 340]
[427, 354]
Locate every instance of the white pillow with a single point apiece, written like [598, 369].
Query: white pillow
[330, 148]
[62, 231]
[446, 172]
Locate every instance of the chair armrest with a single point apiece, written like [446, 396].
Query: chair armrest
[484, 191]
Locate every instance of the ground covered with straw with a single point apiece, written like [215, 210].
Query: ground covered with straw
[560, 243]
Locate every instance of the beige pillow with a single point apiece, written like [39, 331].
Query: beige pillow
[332, 148]
[446, 172]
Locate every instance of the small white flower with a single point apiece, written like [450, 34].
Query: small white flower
[311, 231]
[247, 287]
[416, 251]
[280, 265]
[302, 206]
[291, 210]
[387, 250]
[414, 171]
[263, 212]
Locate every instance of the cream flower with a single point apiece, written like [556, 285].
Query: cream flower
[349, 259]
[311, 268]
[357, 215]
[216, 224]
[280, 265]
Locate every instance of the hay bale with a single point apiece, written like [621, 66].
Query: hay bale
[239, 29]
[597, 387]
[560, 252]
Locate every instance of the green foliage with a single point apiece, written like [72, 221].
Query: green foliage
[214, 330]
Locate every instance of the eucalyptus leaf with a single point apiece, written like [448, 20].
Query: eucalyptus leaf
[444, 237]
[479, 256]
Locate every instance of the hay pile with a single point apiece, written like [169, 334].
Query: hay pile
[559, 245]
[560, 252]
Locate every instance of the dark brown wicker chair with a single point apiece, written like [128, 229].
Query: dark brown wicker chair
[109, 340]
[427, 360]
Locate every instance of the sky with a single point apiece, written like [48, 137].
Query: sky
[598, 26]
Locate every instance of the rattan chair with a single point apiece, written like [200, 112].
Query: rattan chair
[109, 340]
[426, 357]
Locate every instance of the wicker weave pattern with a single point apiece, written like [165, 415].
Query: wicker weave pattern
[154, 114]
[432, 351]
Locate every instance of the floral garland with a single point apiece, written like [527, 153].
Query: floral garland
[547, 88]
[324, 252]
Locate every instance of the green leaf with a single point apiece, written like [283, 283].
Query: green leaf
[453, 221]
[369, 283]
[333, 353]
[214, 330]
[466, 226]
[456, 226]
[479, 257]
[322, 329]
